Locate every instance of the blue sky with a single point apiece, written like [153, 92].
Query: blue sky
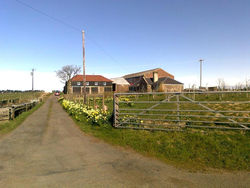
[126, 36]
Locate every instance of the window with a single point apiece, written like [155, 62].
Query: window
[96, 83]
[76, 90]
[94, 90]
[104, 83]
[87, 83]
[78, 83]
[107, 89]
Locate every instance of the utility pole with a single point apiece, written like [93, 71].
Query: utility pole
[84, 73]
[201, 61]
[32, 74]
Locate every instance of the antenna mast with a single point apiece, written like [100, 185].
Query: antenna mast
[201, 61]
[32, 75]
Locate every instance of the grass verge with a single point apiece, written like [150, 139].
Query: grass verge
[193, 150]
[11, 125]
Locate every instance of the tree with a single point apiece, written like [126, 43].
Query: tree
[221, 84]
[67, 72]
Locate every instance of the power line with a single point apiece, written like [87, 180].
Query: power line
[47, 15]
[67, 25]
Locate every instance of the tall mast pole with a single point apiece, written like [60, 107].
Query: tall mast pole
[84, 73]
[201, 61]
[32, 74]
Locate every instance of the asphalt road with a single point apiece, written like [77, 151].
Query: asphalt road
[49, 150]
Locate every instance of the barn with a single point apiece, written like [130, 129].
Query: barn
[120, 85]
[95, 84]
[157, 80]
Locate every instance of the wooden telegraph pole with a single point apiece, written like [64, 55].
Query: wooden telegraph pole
[84, 73]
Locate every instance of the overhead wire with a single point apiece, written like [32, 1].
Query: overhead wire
[67, 25]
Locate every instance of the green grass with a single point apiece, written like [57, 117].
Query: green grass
[193, 150]
[12, 124]
[21, 97]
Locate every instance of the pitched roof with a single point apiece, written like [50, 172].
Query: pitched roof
[165, 80]
[140, 73]
[120, 81]
[90, 78]
[168, 80]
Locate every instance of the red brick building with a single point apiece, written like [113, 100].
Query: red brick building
[95, 84]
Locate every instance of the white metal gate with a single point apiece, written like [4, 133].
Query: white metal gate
[177, 111]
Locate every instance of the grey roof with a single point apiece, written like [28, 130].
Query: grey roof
[149, 80]
[165, 80]
[120, 81]
[168, 80]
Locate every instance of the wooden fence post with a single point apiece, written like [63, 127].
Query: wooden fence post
[103, 102]
[12, 112]
[116, 110]
[94, 102]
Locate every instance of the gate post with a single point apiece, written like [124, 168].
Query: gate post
[178, 108]
[116, 110]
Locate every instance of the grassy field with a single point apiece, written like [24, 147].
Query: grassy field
[194, 149]
[18, 97]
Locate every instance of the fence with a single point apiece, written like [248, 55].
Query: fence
[9, 101]
[13, 111]
[93, 100]
[178, 111]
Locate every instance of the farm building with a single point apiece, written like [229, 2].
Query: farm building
[120, 85]
[95, 84]
[153, 80]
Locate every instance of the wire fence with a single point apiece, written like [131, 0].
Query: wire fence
[178, 111]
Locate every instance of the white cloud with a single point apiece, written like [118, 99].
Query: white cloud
[21, 80]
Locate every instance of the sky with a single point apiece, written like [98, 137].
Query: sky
[122, 37]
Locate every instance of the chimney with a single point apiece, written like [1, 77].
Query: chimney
[155, 76]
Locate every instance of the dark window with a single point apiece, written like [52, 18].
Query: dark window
[94, 90]
[96, 83]
[107, 89]
[114, 87]
[87, 90]
[78, 83]
[76, 90]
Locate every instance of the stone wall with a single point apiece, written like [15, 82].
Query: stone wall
[122, 88]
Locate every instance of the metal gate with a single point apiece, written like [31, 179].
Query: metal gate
[177, 111]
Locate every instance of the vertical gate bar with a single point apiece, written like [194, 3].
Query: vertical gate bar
[116, 109]
[178, 108]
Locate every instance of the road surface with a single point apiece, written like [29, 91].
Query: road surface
[49, 150]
